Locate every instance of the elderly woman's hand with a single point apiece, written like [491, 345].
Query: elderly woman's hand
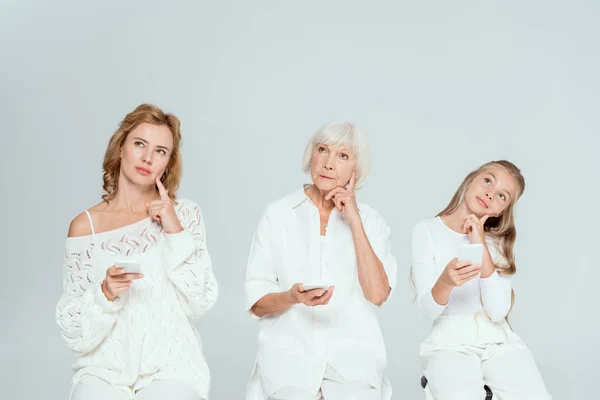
[345, 201]
[314, 297]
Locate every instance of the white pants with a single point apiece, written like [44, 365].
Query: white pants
[97, 389]
[334, 387]
[464, 353]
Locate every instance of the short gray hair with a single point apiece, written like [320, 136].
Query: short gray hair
[349, 135]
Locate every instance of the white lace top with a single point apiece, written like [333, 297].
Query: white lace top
[148, 332]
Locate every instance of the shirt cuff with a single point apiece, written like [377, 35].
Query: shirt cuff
[429, 307]
[490, 279]
[257, 290]
[106, 305]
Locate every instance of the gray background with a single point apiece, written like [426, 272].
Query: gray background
[440, 87]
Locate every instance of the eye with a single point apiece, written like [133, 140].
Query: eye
[322, 149]
[503, 197]
[138, 143]
[344, 156]
[161, 151]
[487, 180]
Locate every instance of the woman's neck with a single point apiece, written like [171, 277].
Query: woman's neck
[317, 196]
[132, 198]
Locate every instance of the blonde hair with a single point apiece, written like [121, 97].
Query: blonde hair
[501, 229]
[111, 167]
[338, 134]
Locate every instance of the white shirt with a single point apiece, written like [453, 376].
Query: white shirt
[434, 245]
[296, 346]
[148, 332]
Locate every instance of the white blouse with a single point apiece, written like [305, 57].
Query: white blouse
[434, 245]
[296, 345]
[148, 332]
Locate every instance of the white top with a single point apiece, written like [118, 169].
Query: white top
[296, 345]
[434, 245]
[148, 332]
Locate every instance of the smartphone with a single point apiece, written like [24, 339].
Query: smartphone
[129, 266]
[471, 252]
[308, 287]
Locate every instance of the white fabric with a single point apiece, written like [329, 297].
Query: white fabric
[434, 245]
[333, 387]
[97, 389]
[149, 332]
[471, 343]
[296, 346]
[466, 352]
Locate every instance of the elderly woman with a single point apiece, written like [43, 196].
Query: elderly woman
[319, 263]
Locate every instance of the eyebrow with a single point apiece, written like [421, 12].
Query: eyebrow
[507, 192]
[145, 141]
[341, 149]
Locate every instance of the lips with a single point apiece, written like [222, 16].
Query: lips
[325, 177]
[143, 171]
[482, 202]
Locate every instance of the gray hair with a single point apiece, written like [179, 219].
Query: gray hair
[346, 134]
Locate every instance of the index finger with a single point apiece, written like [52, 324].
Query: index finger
[332, 193]
[462, 264]
[112, 271]
[484, 218]
[352, 181]
[161, 189]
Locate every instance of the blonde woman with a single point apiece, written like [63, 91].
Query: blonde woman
[134, 332]
[471, 343]
[325, 342]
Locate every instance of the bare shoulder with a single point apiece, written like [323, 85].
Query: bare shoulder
[80, 226]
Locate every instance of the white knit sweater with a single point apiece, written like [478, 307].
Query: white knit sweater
[148, 332]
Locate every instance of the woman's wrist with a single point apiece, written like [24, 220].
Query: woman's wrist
[441, 291]
[108, 296]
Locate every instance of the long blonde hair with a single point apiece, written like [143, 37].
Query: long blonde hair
[501, 229]
[111, 166]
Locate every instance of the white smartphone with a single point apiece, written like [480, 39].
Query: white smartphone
[129, 266]
[313, 286]
[471, 252]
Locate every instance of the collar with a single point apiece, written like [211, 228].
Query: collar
[298, 197]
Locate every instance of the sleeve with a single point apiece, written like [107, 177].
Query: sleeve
[188, 264]
[378, 233]
[261, 277]
[424, 271]
[496, 290]
[83, 313]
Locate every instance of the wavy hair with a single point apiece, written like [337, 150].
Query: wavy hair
[111, 167]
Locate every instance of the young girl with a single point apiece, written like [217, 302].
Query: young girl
[471, 343]
[135, 333]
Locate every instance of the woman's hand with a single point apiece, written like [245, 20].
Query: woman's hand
[117, 282]
[473, 226]
[314, 297]
[163, 212]
[457, 273]
[345, 201]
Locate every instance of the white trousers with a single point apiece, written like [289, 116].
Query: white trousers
[334, 387]
[97, 389]
[464, 353]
